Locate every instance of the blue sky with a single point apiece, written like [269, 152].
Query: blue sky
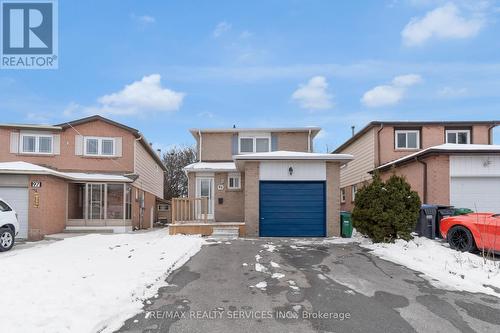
[166, 66]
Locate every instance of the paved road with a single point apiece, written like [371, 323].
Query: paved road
[357, 292]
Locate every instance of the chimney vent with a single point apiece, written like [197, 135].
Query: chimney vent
[353, 128]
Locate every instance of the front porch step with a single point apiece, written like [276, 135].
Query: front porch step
[225, 232]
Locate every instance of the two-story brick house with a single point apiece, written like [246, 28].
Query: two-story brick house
[87, 174]
[446, 162]
[265, 181]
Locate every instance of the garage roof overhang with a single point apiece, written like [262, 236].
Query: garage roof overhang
[240, 160]
[23, 168]
[445, 149]
[210, 167]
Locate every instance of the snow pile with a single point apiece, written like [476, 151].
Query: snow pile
[260, 268]
[443, 266]
[88, 283]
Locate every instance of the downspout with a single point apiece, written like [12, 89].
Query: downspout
[378, 144]
[309, 142]
[490, 134]
[199, 133]
[425, 178]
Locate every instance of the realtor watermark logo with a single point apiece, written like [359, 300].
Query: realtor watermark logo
[29, 38]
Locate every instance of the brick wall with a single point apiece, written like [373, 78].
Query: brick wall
[232, 208]
[50, 215]
[252, 199]
[332, 199]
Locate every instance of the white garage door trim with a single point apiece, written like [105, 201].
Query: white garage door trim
[18, 199]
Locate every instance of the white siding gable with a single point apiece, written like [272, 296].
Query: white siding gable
[363, 150]
[149, 172]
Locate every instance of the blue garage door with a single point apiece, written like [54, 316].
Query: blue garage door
[292, 209]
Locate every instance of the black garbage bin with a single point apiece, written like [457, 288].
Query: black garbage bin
[426, 225]
[443, 211]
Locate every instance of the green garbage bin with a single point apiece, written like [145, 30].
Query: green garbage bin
[345, 224]
[462, 211]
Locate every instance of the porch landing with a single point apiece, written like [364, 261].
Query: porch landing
[204, 229]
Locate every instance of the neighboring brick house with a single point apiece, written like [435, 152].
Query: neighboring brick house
[431, 155]
[266, 182]
[88, 174]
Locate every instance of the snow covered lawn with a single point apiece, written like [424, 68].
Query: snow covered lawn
[89, 283]
[442, 266]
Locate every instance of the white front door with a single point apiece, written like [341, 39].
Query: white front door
[205, 189]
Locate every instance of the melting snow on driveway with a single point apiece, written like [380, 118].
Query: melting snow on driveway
[88, 283]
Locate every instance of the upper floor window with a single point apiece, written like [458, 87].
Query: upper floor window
[458, 136]
[407, 139]
[96, 146]
[36, 144]
[254, 145]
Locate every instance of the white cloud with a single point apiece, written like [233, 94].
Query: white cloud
[221, 28]
[246, 34]
[146, 19]
[139, 97]
[206, 114]
[390, 94]
[406, 80]
[314, 95]
[451, 92]
[143, 19]
[444, 22]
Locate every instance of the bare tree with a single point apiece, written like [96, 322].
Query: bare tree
[176, 182]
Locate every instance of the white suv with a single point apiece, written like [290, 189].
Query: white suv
[9, 226]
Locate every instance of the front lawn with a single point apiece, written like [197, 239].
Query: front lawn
[441, 265]
[89, 283]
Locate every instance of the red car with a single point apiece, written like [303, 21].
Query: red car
[469, 232]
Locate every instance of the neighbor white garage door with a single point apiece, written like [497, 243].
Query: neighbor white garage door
[17, 198]
[475, 182]
[481, 194]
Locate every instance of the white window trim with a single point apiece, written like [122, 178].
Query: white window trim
[234, 175]
[254, 143]
[99, 146]
[342, 195]
[37, 144]
[456, 133]
[354, 190]
[406, 132]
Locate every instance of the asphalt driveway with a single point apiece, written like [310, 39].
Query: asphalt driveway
[285, 285]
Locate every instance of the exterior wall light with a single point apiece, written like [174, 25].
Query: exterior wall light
[290, 171]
